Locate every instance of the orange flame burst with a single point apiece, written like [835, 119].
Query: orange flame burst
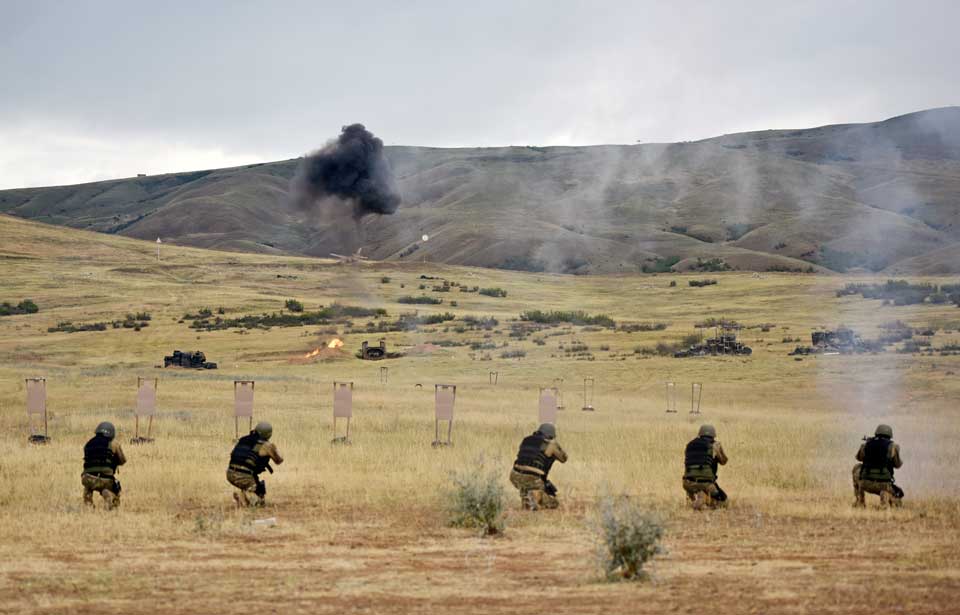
[312, 353]
[335, 343]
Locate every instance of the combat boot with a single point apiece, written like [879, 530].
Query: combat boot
[241, 499]
[886, 499]
[535, 499]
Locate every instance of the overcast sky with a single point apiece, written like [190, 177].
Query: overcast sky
[96, 90]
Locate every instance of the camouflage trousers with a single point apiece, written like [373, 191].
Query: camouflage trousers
[886, 490]
[532, 494]
[108, 488]
[704, 494]
[248, 485]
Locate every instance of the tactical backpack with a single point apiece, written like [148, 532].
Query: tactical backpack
[532, 454]
[698, 460]
[98, 457]
[246, 457]
[877, 465]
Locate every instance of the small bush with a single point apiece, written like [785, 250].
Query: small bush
[513, 354]
[629, 537]
[577, 317]
[26, 306]
[701, 283]
[493, 292]
[661, 265]
[476, 499]
[293, 305]
[633, 327]
[423, 300]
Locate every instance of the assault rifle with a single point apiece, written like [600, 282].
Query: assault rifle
[549, 488]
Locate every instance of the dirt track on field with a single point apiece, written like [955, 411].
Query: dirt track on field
[738, 561]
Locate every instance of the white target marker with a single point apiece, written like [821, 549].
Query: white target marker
[426, 238]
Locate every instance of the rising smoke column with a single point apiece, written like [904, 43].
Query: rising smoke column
[352, 169]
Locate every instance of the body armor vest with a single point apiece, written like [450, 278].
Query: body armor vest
[246, 455]
[698, 460]
[532, 455]
[877, 465]
[98, 458]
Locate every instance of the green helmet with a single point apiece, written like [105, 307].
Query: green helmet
[884, 430]
[548, 430]
[264, 430]
[708, 431]
[107, 429]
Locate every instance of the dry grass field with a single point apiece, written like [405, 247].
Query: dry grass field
[362, 528]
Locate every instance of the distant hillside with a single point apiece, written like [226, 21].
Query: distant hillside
[880, 196]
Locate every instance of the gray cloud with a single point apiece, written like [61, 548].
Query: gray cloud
[222, 82]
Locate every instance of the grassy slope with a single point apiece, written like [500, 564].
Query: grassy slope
[360, 526]
[885, 194]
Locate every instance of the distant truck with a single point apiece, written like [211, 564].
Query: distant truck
[192, 360]
[841, 340]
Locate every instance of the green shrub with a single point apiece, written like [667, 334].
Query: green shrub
[385, 280]
[628, 537]
[293, 305]
[661, 265]
[633, 327]
[476, 499]
[421, 300]
[27, 306]
[493, 292]
[577, 317]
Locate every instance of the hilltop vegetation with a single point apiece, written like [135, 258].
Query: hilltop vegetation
[847, 198]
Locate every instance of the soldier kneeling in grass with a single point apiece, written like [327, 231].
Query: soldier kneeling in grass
[537, 453]
[879, 456]
[701, 458]
[101, 456]
[249, 458]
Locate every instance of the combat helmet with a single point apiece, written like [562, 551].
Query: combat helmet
[107, 429]
[264, 430]
[707, 431]
[884, 431]
[548, 430]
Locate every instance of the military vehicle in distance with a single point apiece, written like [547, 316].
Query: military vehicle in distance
[192, 360]
[724, 342]
[840, 341]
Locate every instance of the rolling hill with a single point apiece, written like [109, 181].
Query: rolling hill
[882, 196]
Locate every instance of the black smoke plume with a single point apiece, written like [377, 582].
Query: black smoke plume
[352, 169]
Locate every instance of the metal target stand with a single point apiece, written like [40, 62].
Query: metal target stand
[146, 406]
[444, 396]
[558, 385]
[37, 405]
[342, 408]
[671, 398]
[242, 403]
[547, 405]
[493, 377]
[696, 393]
[588, 387]
[384, 375]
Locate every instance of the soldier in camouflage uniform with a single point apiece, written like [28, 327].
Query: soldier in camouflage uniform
[249, 458]
[701, 457]
[879, 456]
[101, 457]
[537, 453]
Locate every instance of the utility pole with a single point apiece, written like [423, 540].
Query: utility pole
[158, 249]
